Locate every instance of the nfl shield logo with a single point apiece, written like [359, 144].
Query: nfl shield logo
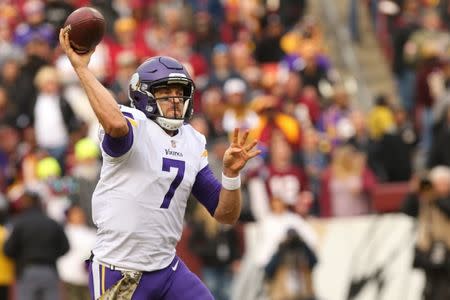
[174, 145]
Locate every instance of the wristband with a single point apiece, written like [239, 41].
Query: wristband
[231, 183]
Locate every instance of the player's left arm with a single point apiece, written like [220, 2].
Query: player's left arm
[223, 201]
[235, 157]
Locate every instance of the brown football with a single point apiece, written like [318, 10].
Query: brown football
[86, 29]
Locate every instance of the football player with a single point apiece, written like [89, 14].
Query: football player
[152, 161]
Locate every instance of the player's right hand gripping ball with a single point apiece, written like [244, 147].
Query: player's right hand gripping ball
[86, 27]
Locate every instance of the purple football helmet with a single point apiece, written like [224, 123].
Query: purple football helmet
[156, 72]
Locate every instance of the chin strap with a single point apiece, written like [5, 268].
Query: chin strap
[169, 124]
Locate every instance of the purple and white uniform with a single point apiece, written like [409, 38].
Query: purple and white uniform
[139, 202]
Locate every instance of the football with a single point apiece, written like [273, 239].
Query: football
[86, 27]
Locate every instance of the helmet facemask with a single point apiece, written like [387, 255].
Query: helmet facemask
[142, 96]
[174, 122]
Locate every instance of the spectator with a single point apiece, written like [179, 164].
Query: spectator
[30, 155]
[180, 47]
[308, 103]
[298, 102]
[335, 118]
[425, 98]
[268, 49]
[221, 69]
[241, 57]
[56, 12]
[126, 40]
[314, 161]
[404, 70]
[71, 266]
[301, 41]
[291, 11]
[34, 25]
[213, 109]
[293, 262]
[52, 187]
[5, 112]
[270, 232]
[9, 141]
[271, 120]
[424, 49]
[362, 141]
[440, 149]
[6, 265]
[232, 24]
[218, 249]
[346, 185]
[252, 74]
[439, 83]
[214, 8]
[237, 114]
[394, 152]
[8, 50]
[10, 72]
[433, 245]
[156, 35]
[281, 179]
[380, 118]
[205, 34]
[292, 90]
[127, 62]
[86, 173]
[52, 114]
[19, 92]
[172, 15]
[34, 244]
[430, 35]
[273, 230]
[405, 126]
[73, 92]
[315, 69]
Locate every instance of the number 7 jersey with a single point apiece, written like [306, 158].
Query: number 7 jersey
[139, 203]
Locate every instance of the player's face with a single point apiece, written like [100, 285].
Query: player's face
[172, 102]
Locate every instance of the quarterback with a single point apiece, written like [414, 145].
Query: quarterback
[152, 161]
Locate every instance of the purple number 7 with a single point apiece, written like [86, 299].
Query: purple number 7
[179, 165]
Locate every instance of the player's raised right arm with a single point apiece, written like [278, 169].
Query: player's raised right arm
[102, 102]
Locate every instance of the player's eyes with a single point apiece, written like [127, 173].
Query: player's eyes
[173, 93]
[169, 93]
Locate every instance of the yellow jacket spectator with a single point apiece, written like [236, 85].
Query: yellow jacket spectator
[7, 274]
[6, 265]
[304, 40]
[381, 119]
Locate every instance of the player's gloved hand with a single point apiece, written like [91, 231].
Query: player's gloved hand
[237, 155]
[77, 60]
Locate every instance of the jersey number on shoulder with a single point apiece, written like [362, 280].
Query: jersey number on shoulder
[179, 165]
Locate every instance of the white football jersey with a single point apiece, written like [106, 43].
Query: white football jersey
[140, 199]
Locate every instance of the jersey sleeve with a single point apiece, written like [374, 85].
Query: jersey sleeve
[118, 147]
[206, 189]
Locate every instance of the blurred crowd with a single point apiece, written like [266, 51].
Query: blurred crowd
[257, 65]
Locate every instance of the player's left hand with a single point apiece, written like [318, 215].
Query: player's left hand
[237, 155]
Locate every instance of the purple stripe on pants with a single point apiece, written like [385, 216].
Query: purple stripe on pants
[172, 283]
